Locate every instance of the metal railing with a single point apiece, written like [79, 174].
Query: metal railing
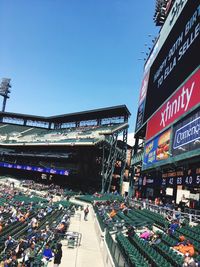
[193, 216]
[117, 256]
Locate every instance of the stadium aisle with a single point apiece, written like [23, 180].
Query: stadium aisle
[88, 254]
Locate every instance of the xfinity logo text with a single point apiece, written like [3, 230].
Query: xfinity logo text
[180, 103]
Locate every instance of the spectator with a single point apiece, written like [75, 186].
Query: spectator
[9, 243]
[156, 239]
[21, 248]
[186, 248]
[14, 262]
[130, 232]
[146, 234]
[30, 254]
[189, 261]
[112, 213]
[172, 228]
[47, 253]
[86, 211]
[58, 255]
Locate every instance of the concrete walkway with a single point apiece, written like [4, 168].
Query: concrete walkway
[88, 254]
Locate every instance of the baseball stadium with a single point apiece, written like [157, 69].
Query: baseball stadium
[74, 193]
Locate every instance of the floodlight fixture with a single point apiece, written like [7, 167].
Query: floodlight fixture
[5, 91]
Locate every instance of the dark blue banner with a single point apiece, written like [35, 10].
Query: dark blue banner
[34, 168]
[189, 180]
[186, 135]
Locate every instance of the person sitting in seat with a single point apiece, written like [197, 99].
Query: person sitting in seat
[61, 228]
[146, 234]
[47, 253]
[9, 243]
[13, 260]
[34, 223]
[182, 241]
[22, 246]
[29, 255]
[112, 213]
[122, 206]
[155, 239]
[131, 231]
[189, 261]
[22, 219]
[187, 248]
[172, 228]
[168, 217]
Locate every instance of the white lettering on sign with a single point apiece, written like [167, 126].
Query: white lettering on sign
[181, 102]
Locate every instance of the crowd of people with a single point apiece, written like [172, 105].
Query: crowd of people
[109, 210]
[39, 237]
[36, 236]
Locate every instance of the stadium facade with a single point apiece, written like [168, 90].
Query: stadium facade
[166, 158]
[78, 150]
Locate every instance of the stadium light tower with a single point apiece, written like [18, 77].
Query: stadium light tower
[5, 91]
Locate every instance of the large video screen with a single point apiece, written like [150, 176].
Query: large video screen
[177, 59]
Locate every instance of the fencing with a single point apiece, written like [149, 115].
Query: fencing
[192, 216]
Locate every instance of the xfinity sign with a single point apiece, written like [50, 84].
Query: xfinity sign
[174, 106]
[185, 98]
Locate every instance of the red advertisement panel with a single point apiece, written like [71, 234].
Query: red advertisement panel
[187, 96]
[143, 90]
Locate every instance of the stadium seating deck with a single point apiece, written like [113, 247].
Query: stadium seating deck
[16, 134]
[136, 251]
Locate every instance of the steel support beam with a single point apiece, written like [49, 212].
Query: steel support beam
[123, 161]
[108, 163]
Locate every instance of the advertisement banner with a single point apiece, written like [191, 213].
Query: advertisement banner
[140, 116]
[142, 98]
[34, 168]
[177, 58]
[143, 90]
[185, 98]
[157, 149]
[186, 135]
[174, 14]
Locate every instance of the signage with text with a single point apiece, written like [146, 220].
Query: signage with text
[142, 97]
[174, 14]
[189, 180]
[177, 58]
[190, 177]
[186, 134]
[185, 98]
[34, 168]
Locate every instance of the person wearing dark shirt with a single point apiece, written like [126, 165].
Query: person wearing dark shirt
[172, 228]
[130, 232]
[14, 262]
[58, 255]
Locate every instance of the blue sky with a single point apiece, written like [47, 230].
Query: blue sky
[71, 55]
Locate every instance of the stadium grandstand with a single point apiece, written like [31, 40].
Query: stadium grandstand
[78, 150]
[61, 177]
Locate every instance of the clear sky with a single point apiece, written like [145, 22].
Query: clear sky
[71, 55]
